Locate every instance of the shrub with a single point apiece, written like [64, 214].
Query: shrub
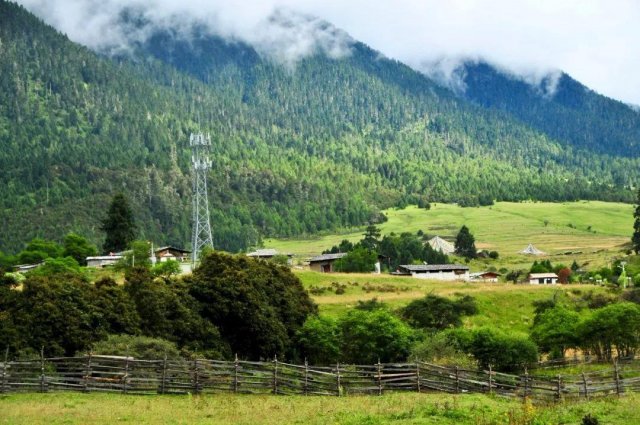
[555, 331]
[436, 313]
[319, 340]
[502, 351]
[139, 347]
[441, 349]
[371, 335]
[360, 260]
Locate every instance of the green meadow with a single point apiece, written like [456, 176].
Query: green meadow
[393, 408]
[593, 232]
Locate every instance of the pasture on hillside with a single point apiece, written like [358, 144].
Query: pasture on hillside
[503, 305]
[592, 231]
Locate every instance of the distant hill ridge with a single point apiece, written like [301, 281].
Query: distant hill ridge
[322, 146]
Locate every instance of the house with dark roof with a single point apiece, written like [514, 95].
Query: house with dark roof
[324, 263]
[434, 271]
[542, 278]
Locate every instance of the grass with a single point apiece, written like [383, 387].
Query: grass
[398, 408]
[503, 305]
[598, 230]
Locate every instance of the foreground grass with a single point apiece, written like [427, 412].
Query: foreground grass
[406, 408]
[503, 305]
[597, 230]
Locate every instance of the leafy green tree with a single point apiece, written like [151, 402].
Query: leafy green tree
[118, 225]
[613, 327]
[257, 306]
[166, 269]
[319, 340]
[437, 313]
[59, 266]
[371, 335]
[504, 352]
[38, 250]
[78, 247]
[465, 243]
[360, 260]
[555, 331]
[635, 239]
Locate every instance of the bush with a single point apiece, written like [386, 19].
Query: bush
[319, 340]
[437, 313]
[441, 349]
[371, 335]
[504, 352]
[555, 331]
[138, 347]
[360, 260]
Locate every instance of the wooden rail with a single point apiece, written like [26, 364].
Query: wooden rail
[94, 373]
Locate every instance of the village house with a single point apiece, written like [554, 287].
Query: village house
[267, 254]
[101, 261]
[542, 278]
[167, 253]
[447, 272]
[324, 263]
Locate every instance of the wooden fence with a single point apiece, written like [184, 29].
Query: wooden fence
[96, 373]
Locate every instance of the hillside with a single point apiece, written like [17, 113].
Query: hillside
[321, 146]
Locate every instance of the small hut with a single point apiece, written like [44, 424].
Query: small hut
[531, 250]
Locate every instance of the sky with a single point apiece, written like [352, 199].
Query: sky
[597, 42]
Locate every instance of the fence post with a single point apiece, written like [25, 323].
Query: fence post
[275, 374]
[4, 371]
[558, 387]
[338, 379]
[617, 378]
[490, 380]
[457, 380]
[306, 377]
[418, 376]
[584, 386]
[163, 383]
[526, 383]
[196, 377]
[42, 376]
[236, 365]
[126, 371]
[379, 377]
[87, 372]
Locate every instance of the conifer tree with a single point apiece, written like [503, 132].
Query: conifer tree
[119, 225]
[465, 244]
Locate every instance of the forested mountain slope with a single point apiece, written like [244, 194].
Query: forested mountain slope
[322, 145]
[559, 106]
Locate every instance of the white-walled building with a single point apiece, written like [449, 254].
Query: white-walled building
[435, 271]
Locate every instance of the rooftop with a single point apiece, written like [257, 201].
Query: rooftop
[433, 267]
[326, 257]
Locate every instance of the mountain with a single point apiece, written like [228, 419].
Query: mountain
[558, 106]
[324, 143]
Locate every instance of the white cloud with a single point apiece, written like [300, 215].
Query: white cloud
[595, 41]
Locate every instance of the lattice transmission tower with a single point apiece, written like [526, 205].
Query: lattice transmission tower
[200, 148]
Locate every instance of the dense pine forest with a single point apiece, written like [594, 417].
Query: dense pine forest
[322, 145]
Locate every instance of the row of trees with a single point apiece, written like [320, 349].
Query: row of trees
[228, 305]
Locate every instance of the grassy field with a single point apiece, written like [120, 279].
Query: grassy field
[503, 305]
[407, 408]
[599, 230]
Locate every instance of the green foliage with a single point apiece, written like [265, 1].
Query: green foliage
[138, 347]
[437, 313]
[118, 225]
[138, 255]
[78, 247]
[371, 238]
[615, 326]
[319, 340]
[465, 243]
[555, 331]
[502, 351]
[38, 250]
[371, 335]
[58, 266]
[258, 307]
[166, 269]
[440, 348]
[360, 260]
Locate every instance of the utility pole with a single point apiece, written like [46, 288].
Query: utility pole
[200, 148]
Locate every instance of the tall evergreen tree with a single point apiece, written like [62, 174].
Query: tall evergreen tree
[119, 225]
[465, 244]
[371, 239]
[635, 240]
